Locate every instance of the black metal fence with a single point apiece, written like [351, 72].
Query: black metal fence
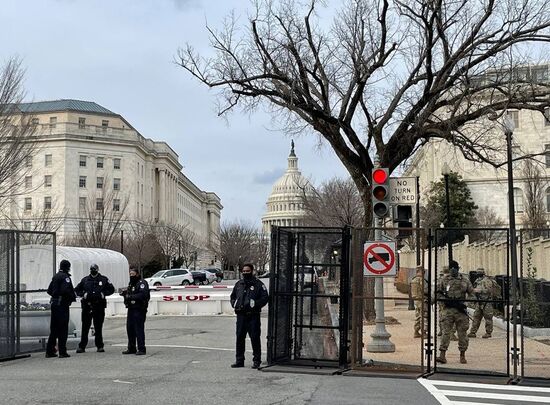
[24, 309]
[309, 296]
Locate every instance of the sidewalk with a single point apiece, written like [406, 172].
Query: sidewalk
[482, 355]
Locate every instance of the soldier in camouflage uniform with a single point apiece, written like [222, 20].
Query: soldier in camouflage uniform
[444, 272]
[452, 289]
[419, 289]
[486, 288]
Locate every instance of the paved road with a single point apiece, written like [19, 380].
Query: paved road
[187, 362]
[465, 393]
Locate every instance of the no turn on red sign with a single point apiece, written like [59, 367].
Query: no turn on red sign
[379, 259]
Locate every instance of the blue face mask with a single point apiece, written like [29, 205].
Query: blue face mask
[454, 271]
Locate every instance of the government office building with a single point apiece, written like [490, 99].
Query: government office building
[88, 156]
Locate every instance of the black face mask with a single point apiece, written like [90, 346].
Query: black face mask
[134, 279]
[247, 276]
[454, 272]
[94, 273]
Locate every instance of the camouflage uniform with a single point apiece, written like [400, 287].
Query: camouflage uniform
[486, 288]
[440, 306]
[419, 289]
[455, 288]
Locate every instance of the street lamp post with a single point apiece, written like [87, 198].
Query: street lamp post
[509, 131]
[445, 171]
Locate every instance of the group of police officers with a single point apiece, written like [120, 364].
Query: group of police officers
[248, 297]
[93, 290]
[451, 291]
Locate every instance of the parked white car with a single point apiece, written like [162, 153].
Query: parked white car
[171, 277]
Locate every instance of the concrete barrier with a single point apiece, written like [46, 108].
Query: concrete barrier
[180, 300]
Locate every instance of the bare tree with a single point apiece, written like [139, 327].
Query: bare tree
[48, 219]
[535, 184]
[237, 241]
[17, 142]
[103, 216]
[487, 217]
[386, 77]
[140, 245]
[262, 248]
[175, 241]
[335, 203]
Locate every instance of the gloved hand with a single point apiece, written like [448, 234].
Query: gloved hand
[252, 303]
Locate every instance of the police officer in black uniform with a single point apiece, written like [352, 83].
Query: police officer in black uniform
[93, 289]
[136, 299]
[62, 292]
[248, 297]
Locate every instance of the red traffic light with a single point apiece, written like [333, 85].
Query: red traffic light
[379, 176]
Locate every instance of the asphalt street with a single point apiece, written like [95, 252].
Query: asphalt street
[187, 362]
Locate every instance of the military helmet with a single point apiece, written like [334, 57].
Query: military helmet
[481, 270]
[445, 269]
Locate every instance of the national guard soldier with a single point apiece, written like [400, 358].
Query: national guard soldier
[452, 290]
[136, 299]
[440, 306]
[419, 289]
[486, 288]
[247, 298]
[62, 292]
[93, 289]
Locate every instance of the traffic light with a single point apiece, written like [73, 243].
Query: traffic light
[402, 214]
[380, 187]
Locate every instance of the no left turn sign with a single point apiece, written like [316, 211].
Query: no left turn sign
[379, 259]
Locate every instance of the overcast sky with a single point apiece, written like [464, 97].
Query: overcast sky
[120, 55]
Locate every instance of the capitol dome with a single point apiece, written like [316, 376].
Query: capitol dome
[285, 205]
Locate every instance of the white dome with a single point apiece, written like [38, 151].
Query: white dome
[285, 205]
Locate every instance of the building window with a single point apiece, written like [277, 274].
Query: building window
[81, 204]
[27, 225]
[99, 182]
[99, 163]
[47, 203]
[82, 161]
[116, 204]
[48, 160]
[82, 182]
[28, 161]
[81, 226]
[518, 200]
[81, 122]
[105, 123]
[99, 204]
[548, 199]
[48, 180]
[514, 116]
[116, 184]
[35, 121]
[547, 117]
[28, 182]
[116, 164]
[28, 204]
[53, 122]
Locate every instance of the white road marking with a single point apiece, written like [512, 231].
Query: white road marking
[185, 347]
[123, 382]
[442, 391]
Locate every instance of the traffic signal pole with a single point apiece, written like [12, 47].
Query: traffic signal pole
[380, 342]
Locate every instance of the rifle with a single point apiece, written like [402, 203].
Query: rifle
[454, 303]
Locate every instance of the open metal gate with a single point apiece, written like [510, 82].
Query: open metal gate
[22, 312]
[309, 297]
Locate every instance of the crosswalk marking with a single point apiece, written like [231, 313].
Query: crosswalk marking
[442, 391]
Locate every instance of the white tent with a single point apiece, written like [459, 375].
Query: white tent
[37, 267]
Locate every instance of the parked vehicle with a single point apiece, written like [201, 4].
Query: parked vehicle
[171, 277]
[199, 277]
[217, 274]
[307, 276]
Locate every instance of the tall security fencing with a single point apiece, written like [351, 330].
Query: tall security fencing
[24, 305]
